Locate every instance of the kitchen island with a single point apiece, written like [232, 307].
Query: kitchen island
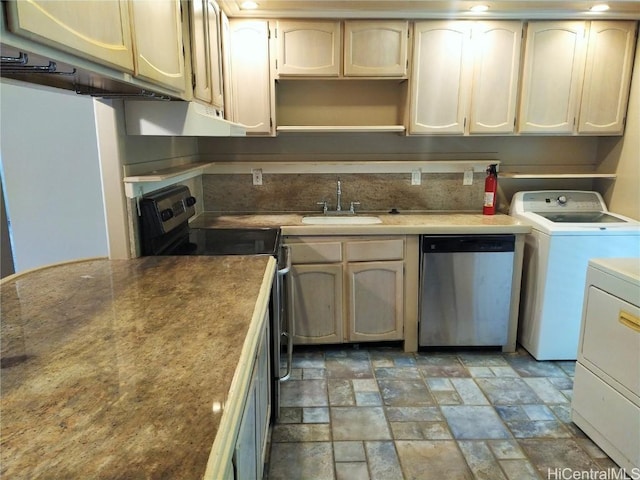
[128, 369]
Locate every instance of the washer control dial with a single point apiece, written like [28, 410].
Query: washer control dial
[562, 199]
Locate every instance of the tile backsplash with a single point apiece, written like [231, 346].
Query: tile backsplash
[235, 193]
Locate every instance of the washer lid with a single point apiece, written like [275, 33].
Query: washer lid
[581, 217]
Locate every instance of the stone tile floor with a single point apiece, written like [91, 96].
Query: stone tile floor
[381, 414]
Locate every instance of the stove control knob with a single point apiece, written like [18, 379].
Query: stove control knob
[562, 199]
[190, 201]
[166, 214]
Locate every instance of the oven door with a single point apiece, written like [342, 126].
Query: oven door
[281, 328]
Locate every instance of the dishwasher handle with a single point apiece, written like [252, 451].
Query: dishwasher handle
[468, 243]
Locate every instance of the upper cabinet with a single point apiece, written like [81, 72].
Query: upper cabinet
[464, 77]
[98, 31]
[576, 77]
[308, 48]
[157, 31]
[607, 77]
[206, 44]
[375, 48]
[250, 93]
[142, 37]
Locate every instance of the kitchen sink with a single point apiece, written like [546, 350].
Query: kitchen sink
[341, 220]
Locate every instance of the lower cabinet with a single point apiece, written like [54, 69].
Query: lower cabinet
[347, 289]
[251, 444]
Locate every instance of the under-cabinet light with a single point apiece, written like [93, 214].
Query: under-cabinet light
[248, 5]
[601, 7]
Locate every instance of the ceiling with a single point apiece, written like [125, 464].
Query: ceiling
[435, 9]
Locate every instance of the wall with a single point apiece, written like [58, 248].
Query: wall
[516, 153]
[623, 157]
[50, 175]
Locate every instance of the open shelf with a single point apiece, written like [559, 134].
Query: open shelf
[138, 185]
[340, 128]
[535, 176]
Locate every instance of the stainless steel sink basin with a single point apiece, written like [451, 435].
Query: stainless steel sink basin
[341, 220]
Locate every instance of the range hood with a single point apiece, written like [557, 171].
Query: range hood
[177, 119]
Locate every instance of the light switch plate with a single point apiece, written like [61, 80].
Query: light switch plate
[468, 177]
[416, 177]
[256, 173]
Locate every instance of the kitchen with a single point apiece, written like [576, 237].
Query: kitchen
[578, 155]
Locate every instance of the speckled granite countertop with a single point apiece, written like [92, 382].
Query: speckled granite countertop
[110, 369]
[397, 224]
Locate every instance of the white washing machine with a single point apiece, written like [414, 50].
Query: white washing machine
[568, 228]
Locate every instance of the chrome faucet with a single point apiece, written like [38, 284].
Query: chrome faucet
[339, 195]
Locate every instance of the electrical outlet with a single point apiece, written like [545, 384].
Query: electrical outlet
[256, 173]
[468, 177]
[416, 177]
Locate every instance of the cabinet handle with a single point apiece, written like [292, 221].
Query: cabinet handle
[628, 320]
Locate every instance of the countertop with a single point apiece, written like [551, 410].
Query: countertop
[392, 224]
[123, 369]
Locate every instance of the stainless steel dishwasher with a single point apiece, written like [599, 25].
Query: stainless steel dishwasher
[465, 289]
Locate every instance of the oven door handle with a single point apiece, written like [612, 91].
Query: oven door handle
[284, 270]
[281, 273]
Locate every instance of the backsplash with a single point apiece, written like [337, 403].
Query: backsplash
[235, 193]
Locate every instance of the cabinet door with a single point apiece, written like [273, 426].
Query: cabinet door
[441, 74]
[310, 48]
[375, 48]
[205, 52]
[263, 398]
[250, 84]
[376, 301]
[315, 296]
[552, 77]
[245, 456]
[97, 30]
[495, 76]
[157, 28]
[607, 77]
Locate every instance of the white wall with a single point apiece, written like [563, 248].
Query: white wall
[51, 175]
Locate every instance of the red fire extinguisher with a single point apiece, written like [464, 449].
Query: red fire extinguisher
[490, 190]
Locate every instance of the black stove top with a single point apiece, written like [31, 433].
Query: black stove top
[231, 241]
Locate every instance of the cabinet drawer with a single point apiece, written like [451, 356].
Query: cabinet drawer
[321, 252]
[374, 250]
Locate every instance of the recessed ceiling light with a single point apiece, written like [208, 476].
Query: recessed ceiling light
[601, 7]
[248, 5]
[479, 8]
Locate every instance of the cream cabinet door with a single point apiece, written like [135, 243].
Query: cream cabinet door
[496, 47]
[441, 73]
[607, 77]
[552, 77]
[315, 297]
[157, 29]
[375, 48]
[308, 48]
[250, 78]
[376, 301]
[206, 52]
[96, 30]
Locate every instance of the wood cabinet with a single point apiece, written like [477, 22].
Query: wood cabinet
[607, 77]
[375, 48]
[448, 62]
[159, 52]
[347, 290]
[308, 48]
[97, 30]
[576, 77]
[250, 96]
[142, 37]
[206, 54]
[251, 443]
